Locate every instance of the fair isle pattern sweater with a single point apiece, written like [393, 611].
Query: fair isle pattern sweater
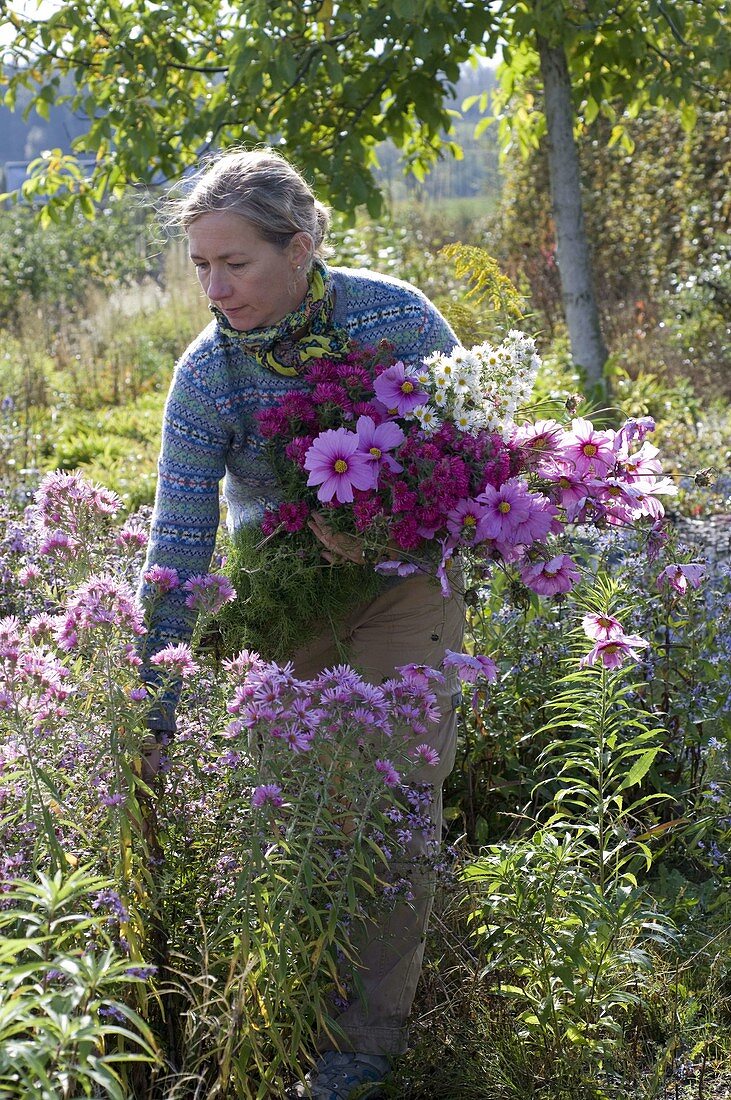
[210, 435]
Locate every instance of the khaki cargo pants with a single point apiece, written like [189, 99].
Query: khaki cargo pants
[409, 622]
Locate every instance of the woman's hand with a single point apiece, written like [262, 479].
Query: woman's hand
[338, 546]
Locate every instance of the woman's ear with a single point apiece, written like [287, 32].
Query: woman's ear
[301, 250]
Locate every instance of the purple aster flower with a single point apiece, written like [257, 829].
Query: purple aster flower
[377, 439]
[547, 578]
[338, 466]
[208, 593]
[268, 794]
[163, 577]
[425, 754]
[388, 773]
[178, 659]
[138, 694]
[399, 389]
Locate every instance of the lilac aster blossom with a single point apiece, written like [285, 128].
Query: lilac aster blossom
[425, 754]
[268, 794]
[163, 577]
[388, 773]
[102, 602]
[681, 577]
[399, 389]
[177, 659]
[208, 593]
[337, 465]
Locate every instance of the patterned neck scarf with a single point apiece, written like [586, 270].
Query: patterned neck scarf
[306, 333]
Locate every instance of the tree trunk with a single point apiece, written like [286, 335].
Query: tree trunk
[574, 262]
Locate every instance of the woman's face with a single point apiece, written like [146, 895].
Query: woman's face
[252, 281]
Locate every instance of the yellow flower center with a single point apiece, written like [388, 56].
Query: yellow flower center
[504, 507]
[340, 466]
[376, 452]
[407, 387]
[590, 449]
[564, 483]
[470, 521]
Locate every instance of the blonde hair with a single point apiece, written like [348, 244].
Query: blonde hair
[261, 186]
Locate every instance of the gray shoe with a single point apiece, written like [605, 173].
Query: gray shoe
[347, 1076]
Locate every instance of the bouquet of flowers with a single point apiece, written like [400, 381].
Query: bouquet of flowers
[422, 464]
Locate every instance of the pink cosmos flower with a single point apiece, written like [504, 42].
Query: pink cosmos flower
[469, 667]
[377, 439]
[613, 652]
[547, 578]
[590, 450]
[387, 771]
[208, 593]
[634, 428]
[267, 794]
[601, 628]
[570, 492]
[465, 521]
[399, 389]
[505, 509]
[680, 577]
[541, 441]
[178, 659]
[396, 568]
[338, 466]
[163, 577]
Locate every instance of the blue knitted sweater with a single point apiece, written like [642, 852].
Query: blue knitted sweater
[210, 436]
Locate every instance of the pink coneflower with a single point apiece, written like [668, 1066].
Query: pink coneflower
[547, 578]
[208, 593]
[177, 659]
[163, 577]
[337, 465]
[680, 577]
[613, 652]
[376, 440]
[399, 389]
[601, 628]
[268, 794]
[470, 668]
[590, 450]
[388, 773]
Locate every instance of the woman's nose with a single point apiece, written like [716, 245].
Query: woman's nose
[218, 288]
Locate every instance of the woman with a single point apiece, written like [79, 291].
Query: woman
[256, 237]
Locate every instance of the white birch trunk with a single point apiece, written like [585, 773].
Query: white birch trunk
[574, 261]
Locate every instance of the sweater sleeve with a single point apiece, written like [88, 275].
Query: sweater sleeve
[185, 518]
